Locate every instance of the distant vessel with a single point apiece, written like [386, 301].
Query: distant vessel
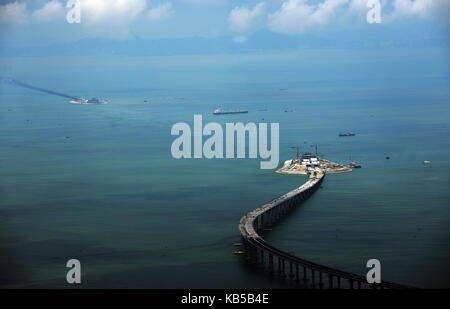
[89, 101]
[347, 134]
[354, 165]
[222, 112]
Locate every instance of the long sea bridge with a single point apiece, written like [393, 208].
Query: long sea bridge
[310, 274]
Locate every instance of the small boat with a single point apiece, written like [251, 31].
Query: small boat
[426, 162]
[346, 134]
[354, 165]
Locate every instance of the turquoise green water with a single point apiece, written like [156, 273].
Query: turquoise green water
[112, 196]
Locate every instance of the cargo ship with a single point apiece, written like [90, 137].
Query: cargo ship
[222, 112]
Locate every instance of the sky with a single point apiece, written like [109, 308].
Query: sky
[237, 24]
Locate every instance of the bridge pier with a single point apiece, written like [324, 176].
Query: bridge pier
[254, 253]
[350, 282]
[320, 280]
[291, 270]
[297, 278]
[305, 279]
[248, 254]
[271, 263]
[330, 277]
[313, 279]
[279, 265]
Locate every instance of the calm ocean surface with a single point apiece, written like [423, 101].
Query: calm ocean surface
[112, 196]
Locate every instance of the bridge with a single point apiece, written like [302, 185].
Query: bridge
[311, 274]
[25, 85]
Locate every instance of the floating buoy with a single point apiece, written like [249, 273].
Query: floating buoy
[387, 158]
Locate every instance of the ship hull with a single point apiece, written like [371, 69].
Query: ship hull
[226, 113]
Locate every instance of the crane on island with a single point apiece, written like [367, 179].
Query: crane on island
[297, 148]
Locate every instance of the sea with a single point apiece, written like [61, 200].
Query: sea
[98, 183]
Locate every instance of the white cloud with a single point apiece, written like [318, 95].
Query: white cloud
[358, 6]
[420, 8]
[206, 2]
[112, 12]
[51, 11]
[297, 16]
[111, 18]
[161, 12]
[13, 12]
[241, 19]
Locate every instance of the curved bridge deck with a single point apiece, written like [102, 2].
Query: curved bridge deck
[258, 251]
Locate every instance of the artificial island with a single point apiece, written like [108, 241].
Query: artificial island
[308, 163]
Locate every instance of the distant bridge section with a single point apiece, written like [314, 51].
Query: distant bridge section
[22, 84]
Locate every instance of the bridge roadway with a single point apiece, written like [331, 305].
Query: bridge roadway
[257, 249]
[22, 84]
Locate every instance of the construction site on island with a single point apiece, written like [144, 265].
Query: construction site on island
[310, 164]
